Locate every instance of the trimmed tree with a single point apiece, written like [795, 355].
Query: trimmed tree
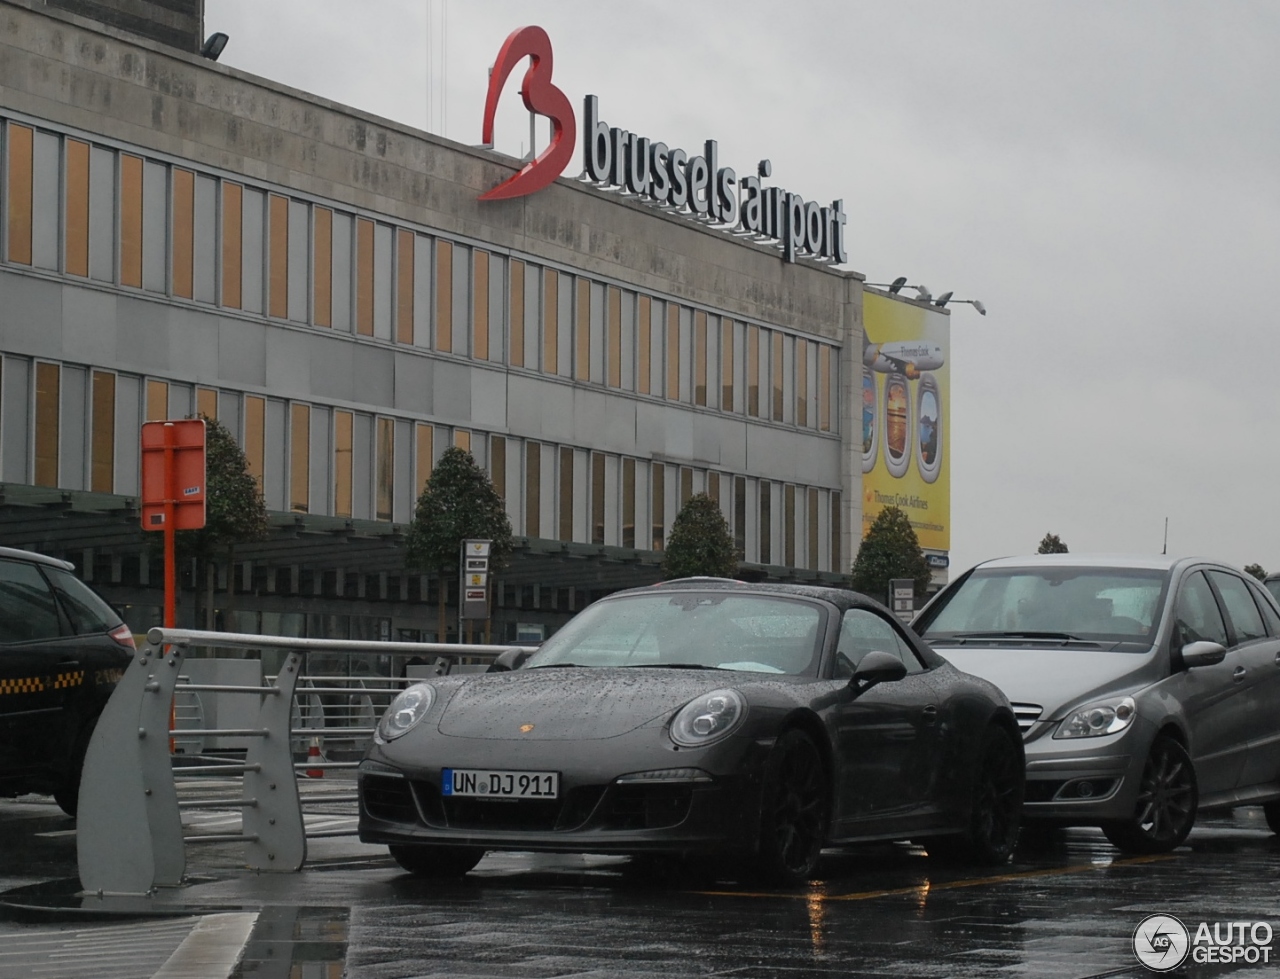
[458, 503]
[890, 550]
[700, 542]
[235, 513]
[1051, 544]
[1257, 570]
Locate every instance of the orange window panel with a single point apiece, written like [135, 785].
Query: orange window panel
[517, 313]
[385, 469]
[597, 498]
[615, 337]
[644, 341]
[232, 238]
[700, 358]
[498, 464]
[824, 388]
[131, 221]
[102, 433]
[48, 400]
[777, 377]
[343, 426]
[753, 371]
[566, 494]
[659, 501]
[673, 352]
[76, 251]
[480, 307]
[157, 401]
[726, 365]
[812, 517]
[835, 532]
[184, 232]
[404, 286]
[424, 438]
[364, 277]
[207, 403]
[21, 150]
[278, 257]
[299, 458]
[533, 489]
[255, 436]
[444, 296]
[550, 321]
[583, 353]
[462, 439]
[802, 382]
[322, 286]
[628, 503]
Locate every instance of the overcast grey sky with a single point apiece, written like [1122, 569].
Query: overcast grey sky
[1103, 176]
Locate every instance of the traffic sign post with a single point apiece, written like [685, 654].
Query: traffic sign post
[902, 598]
[474, 586]
[173, 491]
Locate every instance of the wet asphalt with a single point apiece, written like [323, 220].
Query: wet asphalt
[1066, 908]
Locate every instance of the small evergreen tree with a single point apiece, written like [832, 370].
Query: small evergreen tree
[700, 542]
[890, 550]
[234, 513]
[1257, 570]
[458, 503]
[1051, 544]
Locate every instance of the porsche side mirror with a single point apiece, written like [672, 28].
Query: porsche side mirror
[1202, 653]
[508, 660]
[876, 667]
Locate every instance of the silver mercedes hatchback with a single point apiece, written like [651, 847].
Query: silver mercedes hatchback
[1146, 688]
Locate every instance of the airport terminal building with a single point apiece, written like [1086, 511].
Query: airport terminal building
[181, 238]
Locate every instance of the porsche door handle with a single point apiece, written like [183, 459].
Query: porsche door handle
[930, 714]
[1238, 675]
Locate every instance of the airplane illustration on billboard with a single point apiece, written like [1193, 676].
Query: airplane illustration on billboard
[908, 357]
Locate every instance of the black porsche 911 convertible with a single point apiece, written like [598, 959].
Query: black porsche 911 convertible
[703, 718]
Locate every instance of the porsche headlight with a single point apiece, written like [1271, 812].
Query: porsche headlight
[405, 711]
[708, 718]
[1104, 717]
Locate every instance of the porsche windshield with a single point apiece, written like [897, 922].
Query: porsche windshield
[1088, 605]
[691, 630]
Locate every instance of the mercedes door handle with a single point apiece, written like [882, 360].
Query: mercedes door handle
[1238, 675]
[930, 714]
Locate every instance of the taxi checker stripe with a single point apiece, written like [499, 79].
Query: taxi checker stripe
[64, 680]
[26, 684]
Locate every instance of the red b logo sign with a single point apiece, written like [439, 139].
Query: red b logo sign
[539, 96]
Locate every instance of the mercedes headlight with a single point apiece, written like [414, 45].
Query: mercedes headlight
[1104, 717]
[405, 711]
[708, 718]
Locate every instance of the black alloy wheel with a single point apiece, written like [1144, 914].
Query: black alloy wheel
[435, 861]
[995, 815]
[794, 810]
[1166, 806]
[1272, 811]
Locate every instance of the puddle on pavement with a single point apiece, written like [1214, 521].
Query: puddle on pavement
[296, 943]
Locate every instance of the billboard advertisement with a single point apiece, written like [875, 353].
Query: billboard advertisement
[906, 416]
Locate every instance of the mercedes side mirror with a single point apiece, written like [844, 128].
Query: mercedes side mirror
[508, 660]
[1202, 653]
[876, 667]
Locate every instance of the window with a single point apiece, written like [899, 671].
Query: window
[740, 514]
[385, 468]
[659, 505]
[726, 365]
[21, 187]
[424, 454]
[498, 464]
[322, 273]
[462, 439]
[824, 388]
[566, 494]
[533, 489]
[130, 221]
[628, 503]
[700, 358]
[550, 321]
[766, 522]
[597, 498]
[404, 286]
[789, 525]
[615, 337]
[299, 458]
[686, 485]
[184, 232]
[644, 341]
[673, 352]
[1246, 622]
[753, 371]
[255, 436]
[102, 434]
[364, 277]
[713, 486]
[48, 401]
[278, 256]
[516, 305]
[76, 207]
[776, 364]
[157, 401]
[582, 355]
[812, 514]
[86, 611]
[802, 382]
[206, 403]
[835, 533]
[1198, 617]
[27, 609]
[232, 257]
[343, 427]
[863, 631]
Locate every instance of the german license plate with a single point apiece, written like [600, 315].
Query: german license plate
[491, 784]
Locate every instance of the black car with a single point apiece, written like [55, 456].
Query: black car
[62, 650]
[703, 718]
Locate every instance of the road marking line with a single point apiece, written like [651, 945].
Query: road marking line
[950, 885]
[212, 949]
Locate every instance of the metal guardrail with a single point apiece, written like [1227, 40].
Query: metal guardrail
[129, 835]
